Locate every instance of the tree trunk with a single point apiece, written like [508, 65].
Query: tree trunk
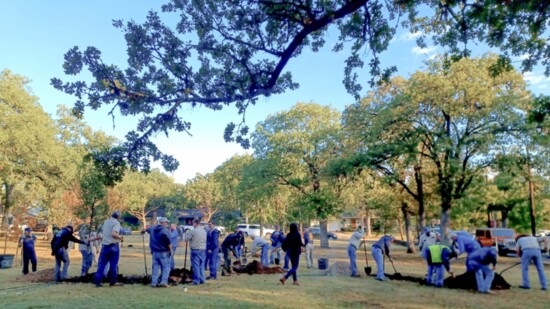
[5, 209]
[368, 224]
[407, 218]
[324, 233]
[261, 227]
[400, 224]
[504, 219]
[445, 223]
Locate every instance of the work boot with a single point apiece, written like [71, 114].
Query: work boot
[356, 276]
[283, 279]
[296, 282]
[163, 286]
[116, 284]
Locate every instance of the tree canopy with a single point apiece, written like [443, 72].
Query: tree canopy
[232, 52]
[456, 117]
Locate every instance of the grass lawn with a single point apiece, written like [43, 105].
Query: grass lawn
[264, 291]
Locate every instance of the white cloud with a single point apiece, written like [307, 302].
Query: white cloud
[410, 36]
[522, 57]
[536, 79]
[423, 51]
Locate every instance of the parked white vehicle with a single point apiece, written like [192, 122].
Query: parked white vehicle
[254, 230]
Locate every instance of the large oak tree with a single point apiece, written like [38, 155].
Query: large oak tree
[232, 52]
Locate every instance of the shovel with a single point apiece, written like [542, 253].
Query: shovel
[505, 269]
[185, 257]
[396, 274]
[368, 269]
[144, 257]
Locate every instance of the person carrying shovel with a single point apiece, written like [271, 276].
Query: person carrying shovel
[354, 243]
[438, 258]
[29, 255]
[528, 249]
[379, 248]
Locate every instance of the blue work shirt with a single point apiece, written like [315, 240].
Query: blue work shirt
[174, 235]
[277, 239]
[62, 239]
[160, 239]
[28, 242]
[307, 240]
[231, 241]
[384, 243]
[213, 240]
[484, 256]
[466, 244]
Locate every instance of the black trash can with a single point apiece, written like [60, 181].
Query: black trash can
[6, 260]
[322, 263]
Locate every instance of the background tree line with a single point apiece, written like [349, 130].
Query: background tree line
[454, 142]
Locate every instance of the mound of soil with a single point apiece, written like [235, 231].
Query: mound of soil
[180, 275]
[177, 276]
[256, 267]
[89, 278]
[45, 275]
[401, 277]
[467, 281]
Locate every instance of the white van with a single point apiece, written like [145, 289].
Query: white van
[254, 230]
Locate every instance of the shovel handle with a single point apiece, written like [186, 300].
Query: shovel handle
[391, 261]
[508, 268]
[365, 248]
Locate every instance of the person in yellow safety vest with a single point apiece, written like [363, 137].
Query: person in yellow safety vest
[438, 258]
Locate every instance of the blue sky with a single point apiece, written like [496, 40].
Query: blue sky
[35, 35]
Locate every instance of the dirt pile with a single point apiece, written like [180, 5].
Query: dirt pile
[177, 276]
[256, 267]
[401, 277]
[45, 275]
[89, 278]
[180, 275]
[467, 281]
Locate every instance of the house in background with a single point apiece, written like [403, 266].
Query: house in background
[349, 221]
[179, 216]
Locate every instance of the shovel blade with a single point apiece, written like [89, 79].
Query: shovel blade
[368, 270]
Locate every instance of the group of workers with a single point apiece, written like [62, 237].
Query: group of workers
[205, 248]
[481, 260]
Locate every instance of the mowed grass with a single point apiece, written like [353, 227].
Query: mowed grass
[264, 291]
